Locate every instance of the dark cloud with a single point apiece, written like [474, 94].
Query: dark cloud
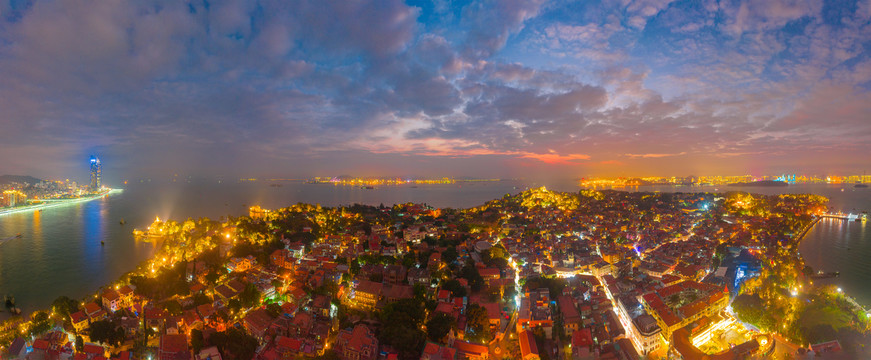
[296, 87]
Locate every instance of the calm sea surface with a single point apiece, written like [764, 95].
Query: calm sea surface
[60, 252]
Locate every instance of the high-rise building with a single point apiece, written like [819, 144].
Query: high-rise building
[96, 173]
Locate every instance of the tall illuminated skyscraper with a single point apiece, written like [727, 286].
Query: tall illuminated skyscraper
[96, 173]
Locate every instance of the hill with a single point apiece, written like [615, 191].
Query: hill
[8, 179]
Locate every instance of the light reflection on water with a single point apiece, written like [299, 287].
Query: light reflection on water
[60, 251]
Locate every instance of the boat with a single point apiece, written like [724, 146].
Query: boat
[860, 186]
[822, 275]
[122, 222]
[102, 243]
[367, 187]
[5, 240]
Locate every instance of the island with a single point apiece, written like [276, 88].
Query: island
[539, 274]
[761, 183]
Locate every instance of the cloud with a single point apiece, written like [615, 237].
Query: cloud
[490, 22]
[649, 156]
[565, 85]
[759, 15]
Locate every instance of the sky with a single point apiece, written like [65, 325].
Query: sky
[502, 88]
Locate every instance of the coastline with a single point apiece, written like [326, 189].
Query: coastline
[800, 237]
[806, 230]
[46, 205]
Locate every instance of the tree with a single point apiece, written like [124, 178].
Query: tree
[107, 332]
[274, 309]
[401, 329]
[235, 344]
[499, 252]
[234, 305]
[355, 267]
[40, 323]
[64, 306]
[749, 308]
[197, 340]
[454, 286]
[439, 326]
[250, 296]
[419, 292]
[409, 260]
[329, 354]
[201, 299]
[478, 322]
[450, 255]
[173, 307]
[470, 273]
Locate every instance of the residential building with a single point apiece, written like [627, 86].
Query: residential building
[357, 344]
[528, 348]
[174, 347]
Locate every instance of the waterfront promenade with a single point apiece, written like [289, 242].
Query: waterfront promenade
[56, 202]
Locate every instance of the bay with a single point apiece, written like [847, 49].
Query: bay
[60, 251]
[75, 249]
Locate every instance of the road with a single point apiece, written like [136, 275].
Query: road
[498, 349]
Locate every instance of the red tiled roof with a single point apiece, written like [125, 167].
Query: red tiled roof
[436, 351]
[174, 343]
[527, 344]
[489, 272]
[830, 346]
[582, 338]
[205, 310]
[258, 320]
[91, 308]
[78, 317]
[111, 294]
[359, 338]
[154, 313]
[470, 348]
[40, 344]
[369, 287]
[286, 343]
[92, 349]
[493, 311]
[444, 294]
[567, 307]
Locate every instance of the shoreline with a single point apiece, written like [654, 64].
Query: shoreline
[47, 205]
[801, 237]
[806, 230]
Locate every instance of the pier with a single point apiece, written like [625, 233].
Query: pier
[842, 216]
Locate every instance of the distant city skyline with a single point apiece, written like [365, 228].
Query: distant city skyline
[490, 89]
